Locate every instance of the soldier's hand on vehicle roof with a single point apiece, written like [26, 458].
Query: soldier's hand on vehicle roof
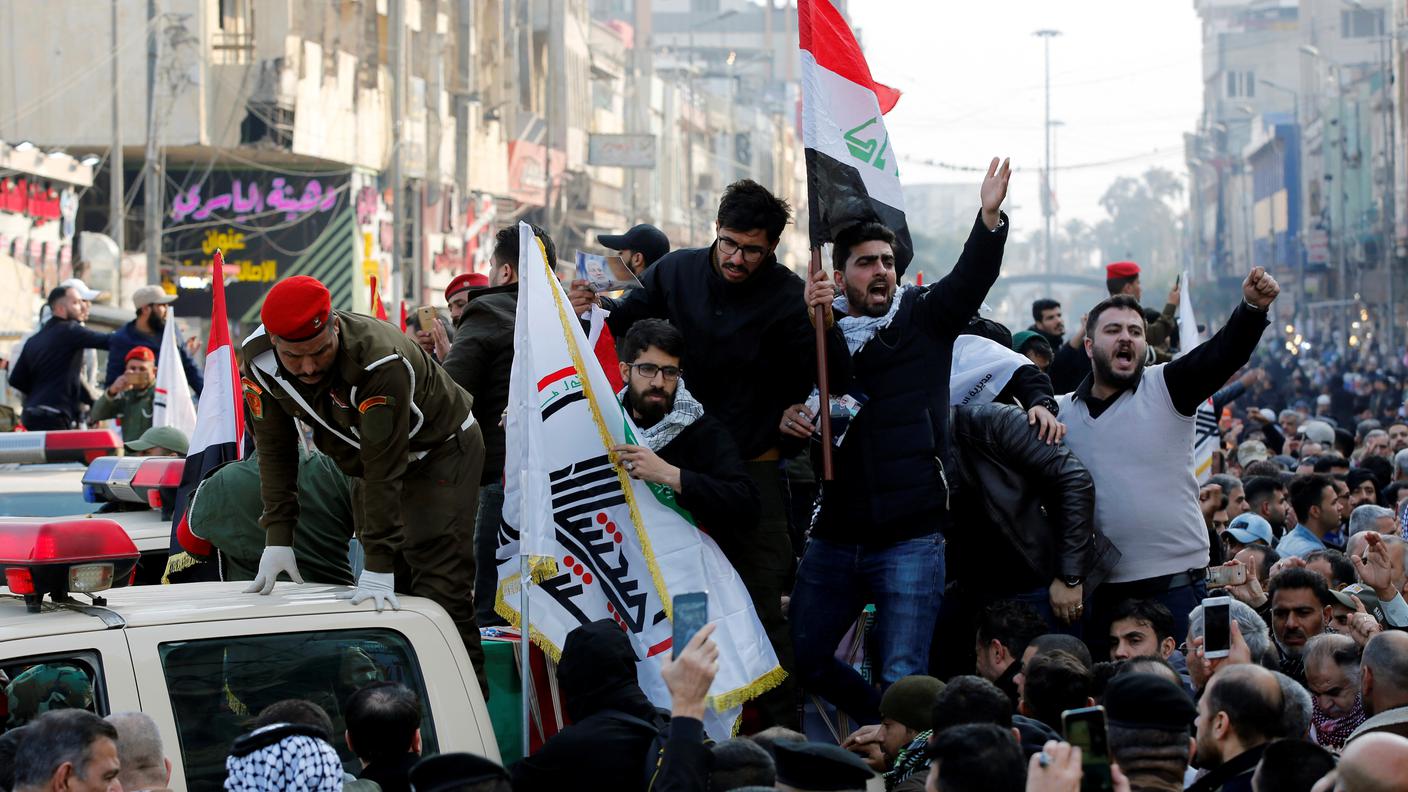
[274, 560]
[379, 587]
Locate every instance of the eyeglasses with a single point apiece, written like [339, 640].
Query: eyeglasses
[752, 254]
[649, 370]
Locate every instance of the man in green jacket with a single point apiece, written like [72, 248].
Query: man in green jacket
[225, 512]
[129, 397]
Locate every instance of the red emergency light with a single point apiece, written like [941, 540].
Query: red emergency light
[63, 557]
[66, 445]
[134, 480]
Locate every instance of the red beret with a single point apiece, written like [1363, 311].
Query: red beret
[297, 308]
[471, 280]
[140, 353]
[1121, 269]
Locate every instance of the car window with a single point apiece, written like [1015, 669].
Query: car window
[219, 685]
[43, 504]
[35, 685]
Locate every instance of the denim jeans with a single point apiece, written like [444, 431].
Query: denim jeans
[835, 581]
[486, 543]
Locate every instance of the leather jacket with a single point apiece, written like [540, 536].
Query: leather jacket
[1039, 497]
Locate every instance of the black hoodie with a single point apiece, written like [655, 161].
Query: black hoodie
[614, 726]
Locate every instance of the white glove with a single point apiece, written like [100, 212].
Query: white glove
[379, 587]
[275, 559]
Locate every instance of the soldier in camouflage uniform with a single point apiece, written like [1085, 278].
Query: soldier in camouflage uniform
[393, 421]
[45, 687]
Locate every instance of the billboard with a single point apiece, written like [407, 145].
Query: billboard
[621, 151]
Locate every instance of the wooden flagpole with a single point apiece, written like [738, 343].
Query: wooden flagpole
[824, 391]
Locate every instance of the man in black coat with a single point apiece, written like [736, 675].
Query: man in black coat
[877, 536]
[681, 446]
[47, 371]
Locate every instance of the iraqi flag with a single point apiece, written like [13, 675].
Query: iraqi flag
[1206, 434]
[219, 437]
[852, 170]
[378, 307]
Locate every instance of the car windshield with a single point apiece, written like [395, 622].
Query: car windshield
[43, 504]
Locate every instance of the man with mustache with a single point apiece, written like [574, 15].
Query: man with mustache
[750, 350]
[1133, 428]
[394, 422]
[1300, 610]
[130, 396]
[878, 532]
[151, 304]
[680, 446]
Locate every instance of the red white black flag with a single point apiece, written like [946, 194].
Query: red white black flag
[219, 437]
[852, 170]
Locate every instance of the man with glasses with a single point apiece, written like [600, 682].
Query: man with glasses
[680, 446]
[750, 351]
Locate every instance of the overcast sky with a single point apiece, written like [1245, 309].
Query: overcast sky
[1125, 80]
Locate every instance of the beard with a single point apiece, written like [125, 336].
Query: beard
[1109, 376]
[158, 324]
[860, 299]
[648, 410]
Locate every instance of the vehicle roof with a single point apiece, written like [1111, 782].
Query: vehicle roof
[182, 603]
[144, 526]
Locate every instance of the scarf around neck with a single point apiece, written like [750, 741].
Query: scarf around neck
[685, 412]
[1333, 733]
[860, 329]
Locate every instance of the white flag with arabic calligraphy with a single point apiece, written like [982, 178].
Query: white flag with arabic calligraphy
[603, 545]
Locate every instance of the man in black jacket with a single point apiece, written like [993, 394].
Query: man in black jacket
[1025, 509]
[47, 371]
[681, 446]
[750, 351]
[878, 532]
[480, 360]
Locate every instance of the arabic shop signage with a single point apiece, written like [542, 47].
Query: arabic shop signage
[270, 225]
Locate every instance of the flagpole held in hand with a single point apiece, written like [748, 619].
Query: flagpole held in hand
[524, 646]
[824, 403]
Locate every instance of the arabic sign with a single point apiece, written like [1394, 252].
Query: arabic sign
[253, 198]
[269, 225]
[621, 151]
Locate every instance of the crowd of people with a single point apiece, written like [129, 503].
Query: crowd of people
[1037, 520]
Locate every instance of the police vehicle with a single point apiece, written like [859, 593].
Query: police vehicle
[202, 659]
[77, 473]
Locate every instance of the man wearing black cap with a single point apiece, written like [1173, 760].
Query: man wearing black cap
[639, 247]
[803, 767]
[1149, 722]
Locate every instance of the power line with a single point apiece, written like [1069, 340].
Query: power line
[1158, 152]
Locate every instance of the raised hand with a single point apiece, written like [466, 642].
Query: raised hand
[994, 190]
[1376, 568]
[1260, 289]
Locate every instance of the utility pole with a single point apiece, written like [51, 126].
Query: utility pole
[555, 63]
[1046, 36]
[117, 178]
[398, 175]
[155, 199]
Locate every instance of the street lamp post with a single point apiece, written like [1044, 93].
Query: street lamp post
[1046, 35]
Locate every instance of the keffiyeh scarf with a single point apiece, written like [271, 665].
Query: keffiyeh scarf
[1333, 733]
[860, 329]
[297, 763]
[912, 758]
[685, 412]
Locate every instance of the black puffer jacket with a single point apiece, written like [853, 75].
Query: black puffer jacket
[480, 360]
[1038, 500]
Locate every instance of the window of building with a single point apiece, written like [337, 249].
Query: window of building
[217, 685]
[35, 685]
[1241, 84]
[1361, 22]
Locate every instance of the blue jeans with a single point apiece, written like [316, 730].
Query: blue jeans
[835, 581]
[486, 543]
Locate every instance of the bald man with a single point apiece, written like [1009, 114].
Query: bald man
[1239, 714]
[1383, 684]
[1374, 763]
[144, 764]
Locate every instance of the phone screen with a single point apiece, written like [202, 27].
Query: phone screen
[1085, 728]
[691, 613]
[1217, 629]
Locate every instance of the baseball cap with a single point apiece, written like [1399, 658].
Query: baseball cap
[1250, 529]
[1365, 594]
[168, 437]
[82, 289]
[1317, 431]
[151, 295]
[1252, 451]
[1020, 339]
[648, 240]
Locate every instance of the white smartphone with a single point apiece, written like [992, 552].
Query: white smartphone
[1217, 627]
